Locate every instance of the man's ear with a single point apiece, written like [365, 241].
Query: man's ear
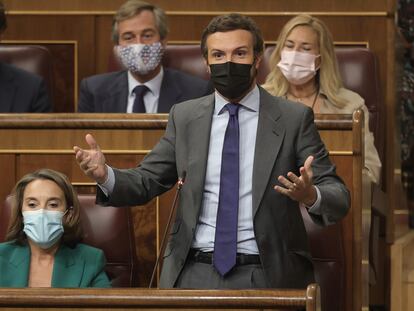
[164, 42]
[258, 60]
[207, 66]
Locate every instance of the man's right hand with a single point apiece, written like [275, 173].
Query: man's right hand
[92, 161]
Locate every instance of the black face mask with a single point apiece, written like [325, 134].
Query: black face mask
[231, 80]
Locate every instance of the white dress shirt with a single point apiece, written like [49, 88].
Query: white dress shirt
[151, 97]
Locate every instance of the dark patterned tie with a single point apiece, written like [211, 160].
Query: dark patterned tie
[225, 244]
[139, 105]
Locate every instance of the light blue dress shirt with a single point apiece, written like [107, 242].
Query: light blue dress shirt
[248, 119]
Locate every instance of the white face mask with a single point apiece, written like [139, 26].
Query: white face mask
[297, 67]
[140, 58]
[43, 227]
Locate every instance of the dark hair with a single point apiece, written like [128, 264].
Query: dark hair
[132, 8]
[3, 21]
[229, 22]
[71, 221]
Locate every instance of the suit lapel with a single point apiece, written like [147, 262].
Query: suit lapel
[198, 130]
[67, 270]
[116, 98]
[169, 93]
[270, 134]
[7, 90]
[19, 267]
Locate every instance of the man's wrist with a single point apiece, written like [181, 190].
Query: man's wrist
[311, 199]
[104, 178]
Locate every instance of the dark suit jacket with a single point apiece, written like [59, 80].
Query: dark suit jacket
[286, 136]
[109, 92]
[81, 266]
[22, 91]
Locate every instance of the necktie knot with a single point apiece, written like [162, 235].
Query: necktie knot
[140, 90]
[232, 108]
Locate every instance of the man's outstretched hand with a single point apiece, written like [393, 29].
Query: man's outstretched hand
[92, 161]
[300, 188]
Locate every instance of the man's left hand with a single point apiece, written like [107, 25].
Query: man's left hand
[300, 188]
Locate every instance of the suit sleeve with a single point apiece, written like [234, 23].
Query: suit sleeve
[335, 198]
[100, 279]
[85, 102]
[41, 101]
[156, 174]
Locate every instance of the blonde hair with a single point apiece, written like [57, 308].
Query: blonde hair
[329, 78]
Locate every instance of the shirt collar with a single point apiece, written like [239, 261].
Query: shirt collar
[251, 101]
[154, 84]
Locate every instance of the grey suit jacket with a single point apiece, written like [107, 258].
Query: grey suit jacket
[22, 91]
[286, 136]
[109, 92]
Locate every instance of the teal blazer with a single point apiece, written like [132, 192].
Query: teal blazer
[81, 266]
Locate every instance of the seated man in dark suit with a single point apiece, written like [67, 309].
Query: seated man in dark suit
[20, 91]
[139, 33]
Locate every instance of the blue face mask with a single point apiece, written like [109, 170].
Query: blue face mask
[43, 227]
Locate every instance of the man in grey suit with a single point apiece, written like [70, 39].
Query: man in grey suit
[278, 162]
[140, 36]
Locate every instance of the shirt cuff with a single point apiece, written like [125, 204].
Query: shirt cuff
[108, 186]
[317, 203]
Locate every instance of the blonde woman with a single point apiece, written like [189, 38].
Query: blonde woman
[304, 69]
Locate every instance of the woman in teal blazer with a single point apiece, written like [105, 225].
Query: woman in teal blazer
[42, 248]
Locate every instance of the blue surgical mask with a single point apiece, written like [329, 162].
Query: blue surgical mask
[43, 227]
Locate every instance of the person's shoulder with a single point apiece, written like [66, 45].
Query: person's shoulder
[105, 82]
[184, 78]
[194, 104]
[104, 78]
[290, 113]
[282, 103]
[11, 71]
[187, 110]
[348, 94]
[7, 247]
[353, 100]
